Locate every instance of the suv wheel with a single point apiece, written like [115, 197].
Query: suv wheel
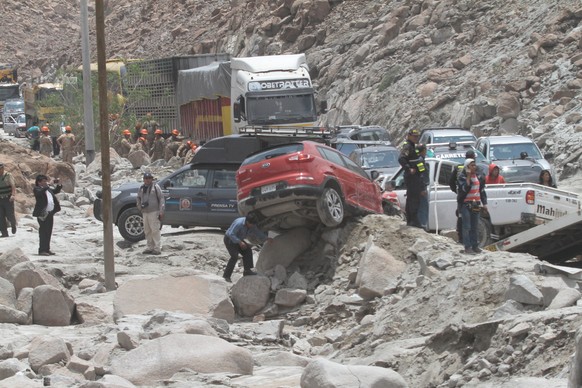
[330, 207]
[130, 225]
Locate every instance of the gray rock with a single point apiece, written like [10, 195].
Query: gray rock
[290, 298]
[10, 258]
[324, 373]
[47, 350]
[162, 357]
[566, 297]
[10, 367]
[523, 290]
[283, 249]
[251, 294]
[50, 306]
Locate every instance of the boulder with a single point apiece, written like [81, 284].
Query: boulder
[251, 294]
[523, 290]
[508, 105]
[283, 249]
[162, 357]
[25, 275]
[324, 373]
[11, 367]
[7, 294]
[288, 297]
[199, 294]
[46, 350]
[139, 158]
[378, 268]
[51, 306]
[9, 259]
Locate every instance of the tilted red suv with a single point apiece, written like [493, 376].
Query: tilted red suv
[304, 183]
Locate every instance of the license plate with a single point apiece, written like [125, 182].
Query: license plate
[268, 188]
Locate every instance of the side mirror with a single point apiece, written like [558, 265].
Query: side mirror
[374, 174]
[549, 155]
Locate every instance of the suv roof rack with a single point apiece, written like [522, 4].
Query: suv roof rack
[443, 128]
[319, 132]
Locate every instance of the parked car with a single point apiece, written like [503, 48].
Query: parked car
[446, 135]
[13, 108]
[518, 157]
[304, 184]
[359, 132]
[196, 195]
[383, 159]
[347, 146]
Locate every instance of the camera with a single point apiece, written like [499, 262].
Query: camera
[144, 205]
[475, 206]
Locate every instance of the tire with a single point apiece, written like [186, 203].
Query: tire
[484, 232]
[330, 207]
[130, 225]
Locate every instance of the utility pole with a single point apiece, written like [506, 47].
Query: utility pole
[104, 136]
[87, 91]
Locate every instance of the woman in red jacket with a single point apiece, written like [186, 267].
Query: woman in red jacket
[493, 177]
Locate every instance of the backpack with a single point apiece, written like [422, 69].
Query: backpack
[453, 180]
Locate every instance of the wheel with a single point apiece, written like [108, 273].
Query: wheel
[130, 225]
[484, 232]
[330, 207]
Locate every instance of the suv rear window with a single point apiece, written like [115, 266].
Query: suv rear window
[273, 152]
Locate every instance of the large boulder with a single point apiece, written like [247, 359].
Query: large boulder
[9, 259]
[198, 294]
[283, 249]
[51, 306]
[378, 268]
[46, 350]
[251, 294]
[24, 275]
[161, 358]
[324, 373]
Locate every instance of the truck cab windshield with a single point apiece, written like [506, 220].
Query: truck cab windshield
[287, 109]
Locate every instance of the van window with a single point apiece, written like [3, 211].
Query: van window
[190, 178]
[224, 179]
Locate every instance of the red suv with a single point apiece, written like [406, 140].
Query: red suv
[303, 183]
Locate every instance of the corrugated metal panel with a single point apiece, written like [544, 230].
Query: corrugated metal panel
[204, 119]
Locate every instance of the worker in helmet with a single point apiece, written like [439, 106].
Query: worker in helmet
[183, 149]
[67, 143]
[142, 142]
[158, 146]
[46, 142]
[149, 123]
[172, 144]
[190, 154]
[125, 144]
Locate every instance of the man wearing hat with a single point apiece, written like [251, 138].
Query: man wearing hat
[412, 177]
[150, 202]
[7, 193]
[471, 199]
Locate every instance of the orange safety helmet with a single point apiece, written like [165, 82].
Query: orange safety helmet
[158, 132]
[144, 131]
[175, 132]
[126, 132]
[68, 128]
[193, 146]
[45, 129]
[188, 143]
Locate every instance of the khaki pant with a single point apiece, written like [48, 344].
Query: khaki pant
[151, 228]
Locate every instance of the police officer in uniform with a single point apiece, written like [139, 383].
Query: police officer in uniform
[412, 176]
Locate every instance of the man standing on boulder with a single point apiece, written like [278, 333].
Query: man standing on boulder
[7, 193]
[234, 241]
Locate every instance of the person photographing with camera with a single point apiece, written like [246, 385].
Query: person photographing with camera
[150, 202]
[47, 205]
[471, 198]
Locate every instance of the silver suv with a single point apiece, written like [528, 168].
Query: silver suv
[446, 135]
[516, 155]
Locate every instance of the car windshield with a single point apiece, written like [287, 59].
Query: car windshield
[514, 151]
[14, 106]
[380, 159]
[273, 152]
[456, 139]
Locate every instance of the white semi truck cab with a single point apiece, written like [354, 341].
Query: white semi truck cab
[272, 91]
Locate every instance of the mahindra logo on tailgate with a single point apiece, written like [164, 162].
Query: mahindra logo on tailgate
[265, 165]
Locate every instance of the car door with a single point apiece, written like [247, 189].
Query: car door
[222, 205]
[338, 169]
[187, 198]
[442, 200]
[368, 193]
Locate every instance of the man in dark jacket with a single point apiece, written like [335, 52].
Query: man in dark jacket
[45, 208]
[412, 177]
[471, 199]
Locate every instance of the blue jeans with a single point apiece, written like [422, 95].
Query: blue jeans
[470, 224]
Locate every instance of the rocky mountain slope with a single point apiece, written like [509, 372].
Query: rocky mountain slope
[494, 67]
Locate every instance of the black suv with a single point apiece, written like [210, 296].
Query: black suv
[196, 195]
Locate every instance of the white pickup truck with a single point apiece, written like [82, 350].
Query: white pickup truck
[512, 207]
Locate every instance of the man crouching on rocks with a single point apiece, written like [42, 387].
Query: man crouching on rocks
[240, 229]
[150, 201]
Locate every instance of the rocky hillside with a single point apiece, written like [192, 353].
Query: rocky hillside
[495, 67]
